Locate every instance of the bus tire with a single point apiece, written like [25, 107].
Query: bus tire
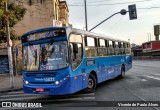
[91, 84]
[122, 75]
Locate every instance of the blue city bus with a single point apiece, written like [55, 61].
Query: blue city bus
[64, 60]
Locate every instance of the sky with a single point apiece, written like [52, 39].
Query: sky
[119, 26]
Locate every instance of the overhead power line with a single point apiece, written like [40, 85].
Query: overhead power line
[93, 1]
[147, 8]
[110, 3]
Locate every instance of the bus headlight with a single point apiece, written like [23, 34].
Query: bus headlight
[26, 82]
[57, 82]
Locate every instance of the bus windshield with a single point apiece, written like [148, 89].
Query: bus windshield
[46, 56]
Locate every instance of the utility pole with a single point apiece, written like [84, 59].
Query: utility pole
[9, 45]
[150, 36]
[86, 23]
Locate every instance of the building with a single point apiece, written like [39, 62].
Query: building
[4, 64]
[133, 45]
[151, 48]
[40, 14]
[64, 13]
[136, 51]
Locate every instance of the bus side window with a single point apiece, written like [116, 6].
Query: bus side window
[126, 48]
[122, 48]
[111, 50]
[102, 48]
[91, 47]
[117, 52]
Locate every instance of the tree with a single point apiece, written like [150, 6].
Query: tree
[15, 14]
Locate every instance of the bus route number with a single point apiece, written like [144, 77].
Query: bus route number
[48, 79]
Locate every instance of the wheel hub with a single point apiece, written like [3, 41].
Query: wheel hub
[90, 83]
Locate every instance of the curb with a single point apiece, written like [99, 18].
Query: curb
[11, 90]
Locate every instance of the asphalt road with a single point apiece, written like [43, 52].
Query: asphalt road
[141, 84]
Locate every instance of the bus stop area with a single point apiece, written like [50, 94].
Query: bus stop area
[7, 83]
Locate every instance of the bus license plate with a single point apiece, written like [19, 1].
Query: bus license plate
[39, 89]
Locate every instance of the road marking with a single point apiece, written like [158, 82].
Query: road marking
[143, 80]
[147, 66]
[152, 77]
[34, 97]
[19, 98]
[23, 94]
[89, 94]
[89, 98]
[72, 99]
[18, 95]
[157, 74]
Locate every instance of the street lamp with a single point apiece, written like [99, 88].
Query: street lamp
[122, 12]
[132, 14]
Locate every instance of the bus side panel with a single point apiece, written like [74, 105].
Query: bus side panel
[119, 63]
[128, 62]
[99, 66]
[79, 77]
[103, 61]
[76, 82]
[111, 67]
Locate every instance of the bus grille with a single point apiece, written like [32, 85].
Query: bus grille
[41, 82]
[38, 75]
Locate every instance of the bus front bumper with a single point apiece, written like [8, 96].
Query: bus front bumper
[49, 89]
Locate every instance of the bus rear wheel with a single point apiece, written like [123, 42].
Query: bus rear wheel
[91, 84]
[122, 75]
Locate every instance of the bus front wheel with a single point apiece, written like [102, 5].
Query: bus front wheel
[91, 84]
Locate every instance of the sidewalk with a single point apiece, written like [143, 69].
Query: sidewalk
[5, 83]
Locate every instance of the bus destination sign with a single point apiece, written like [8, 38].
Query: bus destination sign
[45, 34]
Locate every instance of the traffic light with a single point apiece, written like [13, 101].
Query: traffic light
[132, 11]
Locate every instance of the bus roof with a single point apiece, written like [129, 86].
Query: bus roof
[87, 33]
[42, 29]
[74, 30]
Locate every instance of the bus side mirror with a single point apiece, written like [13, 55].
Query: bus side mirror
[75, 48]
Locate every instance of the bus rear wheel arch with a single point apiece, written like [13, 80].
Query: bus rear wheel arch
[122, 75]
[92, 83]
